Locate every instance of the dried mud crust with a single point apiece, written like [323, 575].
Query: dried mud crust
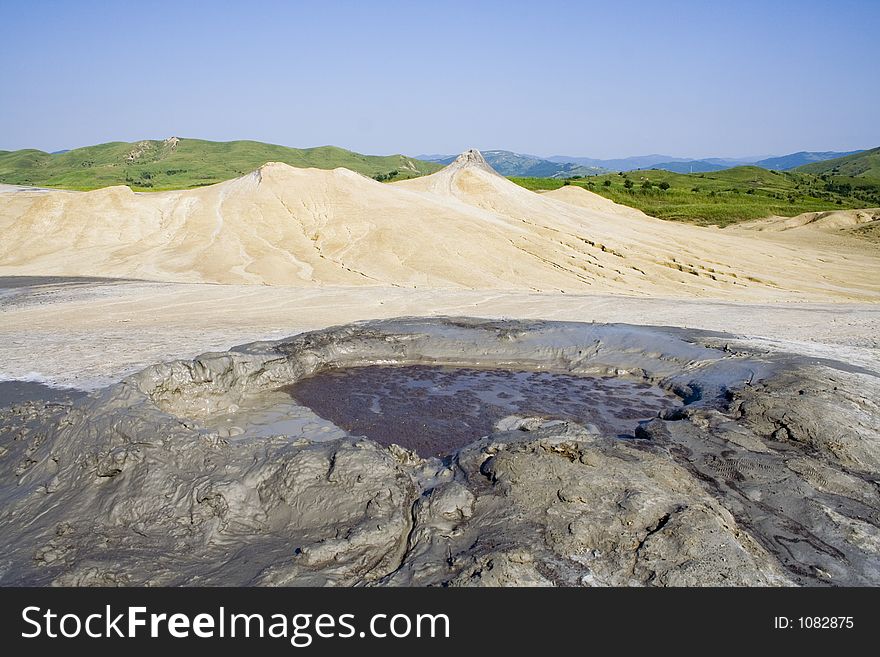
[767, 476]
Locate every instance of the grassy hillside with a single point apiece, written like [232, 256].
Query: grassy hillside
[865, 164]
[723, 197]
[185, 163]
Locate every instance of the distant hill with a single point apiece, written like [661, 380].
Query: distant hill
[863, 164]
[690, 166]
[508, 163]
[665, 162]
[683, 164]
[794, 160]
[185, 163]
[618, 164]
[563, 166]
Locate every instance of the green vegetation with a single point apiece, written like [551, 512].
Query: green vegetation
[186, 163]
[859, 165]
[725, 197]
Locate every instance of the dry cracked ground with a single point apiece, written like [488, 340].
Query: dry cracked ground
[766, 474]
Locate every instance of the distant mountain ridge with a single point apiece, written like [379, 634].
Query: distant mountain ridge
[795, 160]
[563, 166]
[692, 166]
[619, 164]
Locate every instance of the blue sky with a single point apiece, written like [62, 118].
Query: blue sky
[603, 79]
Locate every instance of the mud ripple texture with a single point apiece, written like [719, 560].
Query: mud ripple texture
[767, 476]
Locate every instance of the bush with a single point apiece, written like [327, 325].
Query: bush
[607, 183]
[647, 184]
[628, 183]
[664, 185]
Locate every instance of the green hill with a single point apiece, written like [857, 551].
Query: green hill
[184, 163]
[724, 197]
[865, 164]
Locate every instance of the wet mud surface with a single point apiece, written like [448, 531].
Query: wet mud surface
[437, 410]
[19, 392]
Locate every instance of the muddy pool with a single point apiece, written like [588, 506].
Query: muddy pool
[436, 410]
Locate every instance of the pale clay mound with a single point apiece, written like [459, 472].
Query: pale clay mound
[833, 220]
[590, 201]
[463, 227]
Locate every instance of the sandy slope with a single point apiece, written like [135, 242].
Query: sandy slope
[464, 226]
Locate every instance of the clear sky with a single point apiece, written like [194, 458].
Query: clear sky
[600, 79]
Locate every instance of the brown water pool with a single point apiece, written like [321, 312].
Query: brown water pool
[436, 410]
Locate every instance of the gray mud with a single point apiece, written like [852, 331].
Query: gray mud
[15, 282]
[203, 473]
[16, 291]
[14, 393]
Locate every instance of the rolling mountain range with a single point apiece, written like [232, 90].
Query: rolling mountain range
[654, 161]
[561, 166]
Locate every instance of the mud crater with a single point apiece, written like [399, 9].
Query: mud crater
[763, 473]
